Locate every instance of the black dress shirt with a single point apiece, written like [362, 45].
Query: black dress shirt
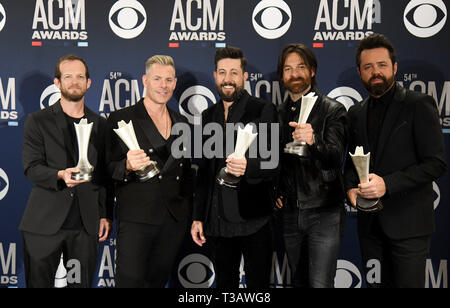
[375, 118]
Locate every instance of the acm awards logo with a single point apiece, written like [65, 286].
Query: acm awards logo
[8, 109]
[271, 19]
[63, 20]
[127, 18]
[346, 20]
[425, 18]
[197, 20]
[2, 17]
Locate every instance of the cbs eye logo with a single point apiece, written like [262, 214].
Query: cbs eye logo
[50, 96]
[127, 18]
[4, 184]
[347, 275]
[194, 100]
[346, 96]
[196, 271]
[438, 195]
[425, 18]
[2, 17]
[271, 18]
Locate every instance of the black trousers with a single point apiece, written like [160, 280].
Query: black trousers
[42, 254]
[257, 251]
[146, 253]
[402, 261]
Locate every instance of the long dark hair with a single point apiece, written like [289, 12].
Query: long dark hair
[305, 53]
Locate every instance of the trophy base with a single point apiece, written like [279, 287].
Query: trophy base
[78, 176]
[226, 179]
[146, 173]
[297, 149]
[368, 205]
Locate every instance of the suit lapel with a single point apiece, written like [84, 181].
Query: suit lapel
[239, 108]
[61, 123]
[363, 124]
[170, 160]
[151, 133]
[390, 120]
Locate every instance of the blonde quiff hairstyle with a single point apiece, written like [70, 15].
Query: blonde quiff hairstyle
[159, 59]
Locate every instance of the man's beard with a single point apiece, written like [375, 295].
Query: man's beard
[379, 89]
[232, 97]
[299, 87]
[74, 97]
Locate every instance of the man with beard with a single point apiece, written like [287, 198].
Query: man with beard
[401, 130]
[64, 216]
[236, 221]
[311, 194]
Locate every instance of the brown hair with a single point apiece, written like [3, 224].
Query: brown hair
[70, 57]
[305, 53]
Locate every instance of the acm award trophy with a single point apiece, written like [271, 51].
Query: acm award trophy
[244, 139]
[83, 132]
[126, 133]
[361, 163]
[301, 148]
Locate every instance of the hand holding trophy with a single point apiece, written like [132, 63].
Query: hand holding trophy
[361, 162]
[83, 132]
[301, 148]
[244, 139]
[126, 133]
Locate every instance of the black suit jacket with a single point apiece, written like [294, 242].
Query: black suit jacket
[46, 144]
[256, 190]
[410, 156]
[147, 202]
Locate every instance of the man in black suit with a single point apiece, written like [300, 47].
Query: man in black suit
[237, 220]
[64, 215]
[401, 130]
[152, 216]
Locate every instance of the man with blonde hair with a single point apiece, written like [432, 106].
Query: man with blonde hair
[152, 215]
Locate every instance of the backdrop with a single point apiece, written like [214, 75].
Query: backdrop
[116, 38]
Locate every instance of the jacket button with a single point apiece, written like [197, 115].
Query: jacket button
[71, 194]
[160, 177]
[177, 178]
[181, 164]
[151, 150]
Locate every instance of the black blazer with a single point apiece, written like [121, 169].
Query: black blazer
[256, 190]
[46, 144]
[147, 202]
[410, 156]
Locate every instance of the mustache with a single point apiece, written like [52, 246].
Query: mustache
[293, 79]
[377, 77]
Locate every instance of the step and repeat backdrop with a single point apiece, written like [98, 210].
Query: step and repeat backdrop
[117, 37]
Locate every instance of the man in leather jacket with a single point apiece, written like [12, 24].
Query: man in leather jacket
[311, 193]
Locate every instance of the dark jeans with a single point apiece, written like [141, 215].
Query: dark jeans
[146, 253]
[402, 261]
[42, 254]
[226, 257]
[312, 239]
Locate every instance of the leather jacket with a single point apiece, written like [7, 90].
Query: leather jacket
[314, 181]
